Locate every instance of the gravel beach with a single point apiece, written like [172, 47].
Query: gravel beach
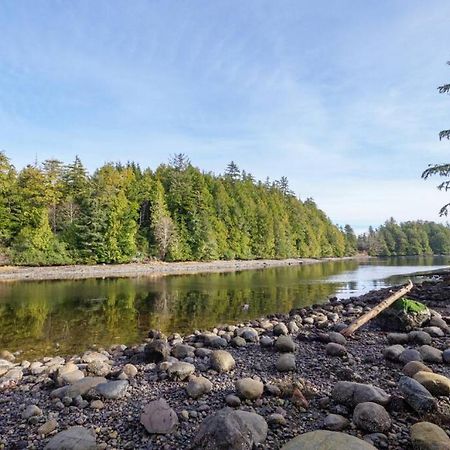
[260, 384]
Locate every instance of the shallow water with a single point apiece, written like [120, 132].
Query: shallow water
[64, 317]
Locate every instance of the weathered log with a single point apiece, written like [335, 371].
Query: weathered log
[360, 321]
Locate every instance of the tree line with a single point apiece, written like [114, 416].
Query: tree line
[406, 239]
[55, 213]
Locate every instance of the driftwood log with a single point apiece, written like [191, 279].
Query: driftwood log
[375, 311]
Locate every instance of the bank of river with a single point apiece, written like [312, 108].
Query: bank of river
[156, 268]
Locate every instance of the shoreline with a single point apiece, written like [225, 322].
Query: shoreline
[157, 268]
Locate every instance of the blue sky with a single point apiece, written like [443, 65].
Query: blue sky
[339, 96]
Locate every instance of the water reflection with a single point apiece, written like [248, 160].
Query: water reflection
[37, 316]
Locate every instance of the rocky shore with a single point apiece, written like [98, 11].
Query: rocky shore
[285, 381]
[156, 268]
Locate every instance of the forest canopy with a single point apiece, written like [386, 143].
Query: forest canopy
[55, 213]
[406, 239]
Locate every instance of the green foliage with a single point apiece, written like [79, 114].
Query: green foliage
[56, 213]
[409, 306]
[406, 239]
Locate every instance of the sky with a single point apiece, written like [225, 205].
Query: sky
[339, 96]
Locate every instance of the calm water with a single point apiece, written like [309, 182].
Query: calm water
[36, 316]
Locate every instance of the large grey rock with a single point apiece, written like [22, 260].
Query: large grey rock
[74, 438]
[181, 351]
[286, 362]
[371, 417]
[198, 386]
[68, 374]
[393, 352]
[335, 422]
[279, 329]
[334, 349]
[80, 387]
[112, 389]
[428, 436]
[336, 337]
[430, 354]
[159, 418]
[99, 368]
[157, 351]
[91, 356]
[285, 344]
[350, 393]
[248, 333]
[228, 429]
[410, 354]
[222, 361]
[180, 371]
[397, 338]
[419, 337]
[399, 320]
[417, 396]
[249, 388]
[327, 440]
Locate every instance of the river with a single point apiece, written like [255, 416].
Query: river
[42, 318]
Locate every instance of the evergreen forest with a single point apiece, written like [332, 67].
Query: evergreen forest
[54, 213]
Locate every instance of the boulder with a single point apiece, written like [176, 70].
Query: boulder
[238, 341]
[446, 356]
[335, 422]
[222, 361]
[419, 337]
[410, 354]
[286, 362]
[80, 387]
[428, 436]
[157, 351]
[228, 429]
[181, 351]
[371, 417]
[159, 418]
[180, 371]
[350, 393]
[393, 352]
[99, 368]
[337, 338]
[249, 388]
[285, 344]
[248, 333]
[74, 438]
[411, 368]
[430, 354]
[112, 389]
[91, 356]
[416, 396]
[279, 329]
[327, 440]
[433, 382]
[404, 315]
[68, 374]
[334, 349]
[397, 338]
[198, 386]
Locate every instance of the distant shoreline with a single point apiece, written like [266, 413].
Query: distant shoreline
[157, 268]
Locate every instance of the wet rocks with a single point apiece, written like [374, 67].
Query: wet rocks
[198, 386]
[428, 436]
[351, 393]
[285, 344]
[222, 361]
[326, 440]
[416, 395]
[286, 362]
[249, 388]
[433, 382]
[74, 438]
[158, 417]
[371, 417]
[112, 389]
[228, 429]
